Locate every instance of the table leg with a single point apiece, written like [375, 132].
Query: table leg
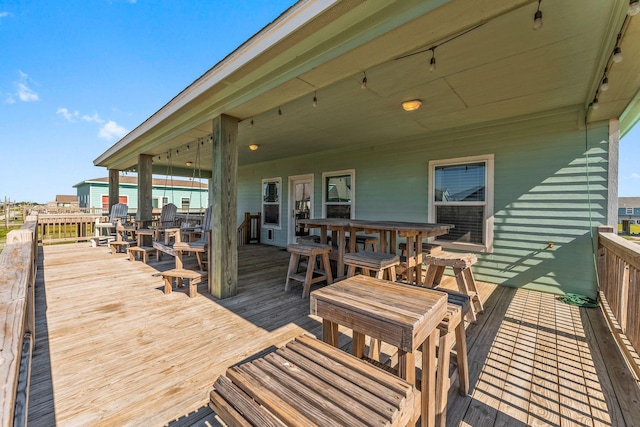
[342, 239]
[358, 344]
[407, 366]
[410, 256]
[179, 263]
[428, 403]
[330, 332]
[383, 241]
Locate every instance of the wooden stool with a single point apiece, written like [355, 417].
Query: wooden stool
[461, 265]
[427, 248]
[313, 252]
[452, 333]
[308, 239]
[180, 274]
[376, 261]
[141, 252]
[118, 246]
[370, 242]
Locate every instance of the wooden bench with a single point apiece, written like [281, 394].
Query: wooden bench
[194, 277]
[461, 264]
[141, 252]
[310, 383]
[313, 252]
[368, 261]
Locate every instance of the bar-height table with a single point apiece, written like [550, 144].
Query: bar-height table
[404, 316]
[415, 233]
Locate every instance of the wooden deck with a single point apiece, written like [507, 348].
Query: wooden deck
[113, 349]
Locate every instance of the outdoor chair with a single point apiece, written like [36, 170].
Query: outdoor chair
[106, 231]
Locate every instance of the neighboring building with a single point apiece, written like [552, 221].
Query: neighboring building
[628, 214]
[187, 195]
[63, 201]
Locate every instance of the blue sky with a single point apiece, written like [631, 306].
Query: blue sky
[76, 76]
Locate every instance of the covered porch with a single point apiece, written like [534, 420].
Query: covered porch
[113, 349]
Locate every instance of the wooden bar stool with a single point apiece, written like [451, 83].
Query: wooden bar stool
[427, 248]
[313, 252]
[452, 333]
[461, 265]
[368, 261]
[367, 242]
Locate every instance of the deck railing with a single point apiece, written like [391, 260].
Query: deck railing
[17, 309]
[59, 228]
[249, 230]
[619, 277]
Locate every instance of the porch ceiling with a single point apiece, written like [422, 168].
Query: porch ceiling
[498, 70]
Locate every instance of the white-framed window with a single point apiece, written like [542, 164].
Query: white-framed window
[461, 193]
[185, 203]
[629, 211]
[271, 199]
[338, 194]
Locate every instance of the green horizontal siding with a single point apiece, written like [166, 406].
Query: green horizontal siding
[542, 193]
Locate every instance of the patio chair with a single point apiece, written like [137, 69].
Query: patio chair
[106, 231]
[167, 223]
[199, 246]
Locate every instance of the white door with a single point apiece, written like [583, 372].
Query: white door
[300, 204]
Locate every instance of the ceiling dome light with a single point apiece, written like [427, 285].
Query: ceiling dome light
[254, 147]
[605, 84]
[189, 164]
[634, 7]
[617, 54]
[411, 105]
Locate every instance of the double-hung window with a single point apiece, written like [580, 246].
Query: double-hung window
[271, 198]
[461, 194]
[338, 191]
[629, 211]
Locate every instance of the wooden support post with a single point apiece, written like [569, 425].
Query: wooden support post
[223, 250]
[114, 187]
[145, 199]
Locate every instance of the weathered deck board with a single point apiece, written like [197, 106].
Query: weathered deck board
[113, 349]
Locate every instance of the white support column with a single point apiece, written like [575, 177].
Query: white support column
[223, 250]
[612, 175]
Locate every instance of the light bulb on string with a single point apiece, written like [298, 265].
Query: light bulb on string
[315, 100]
[605, 84]
[279, 111]
[537, 18]
[364, 81]
[432, 62]
[617, 54]
[594, 104]
[634, 7]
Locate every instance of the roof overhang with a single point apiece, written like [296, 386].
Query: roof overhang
[491, 67]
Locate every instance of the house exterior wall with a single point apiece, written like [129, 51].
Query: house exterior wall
[90, 195]
[542, 193]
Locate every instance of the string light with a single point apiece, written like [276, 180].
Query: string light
[279, 111]
[634, 7]
[537, 18]
[617, 54]
[364, 81]
[315, 99]
[594, 104]
[605, 83]
[251, 123]
[432, 63]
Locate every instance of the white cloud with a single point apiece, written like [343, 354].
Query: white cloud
[635, 175]
[67, 114]
[95, 118]
[22, 92]
[111, 130]
[3, 14]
